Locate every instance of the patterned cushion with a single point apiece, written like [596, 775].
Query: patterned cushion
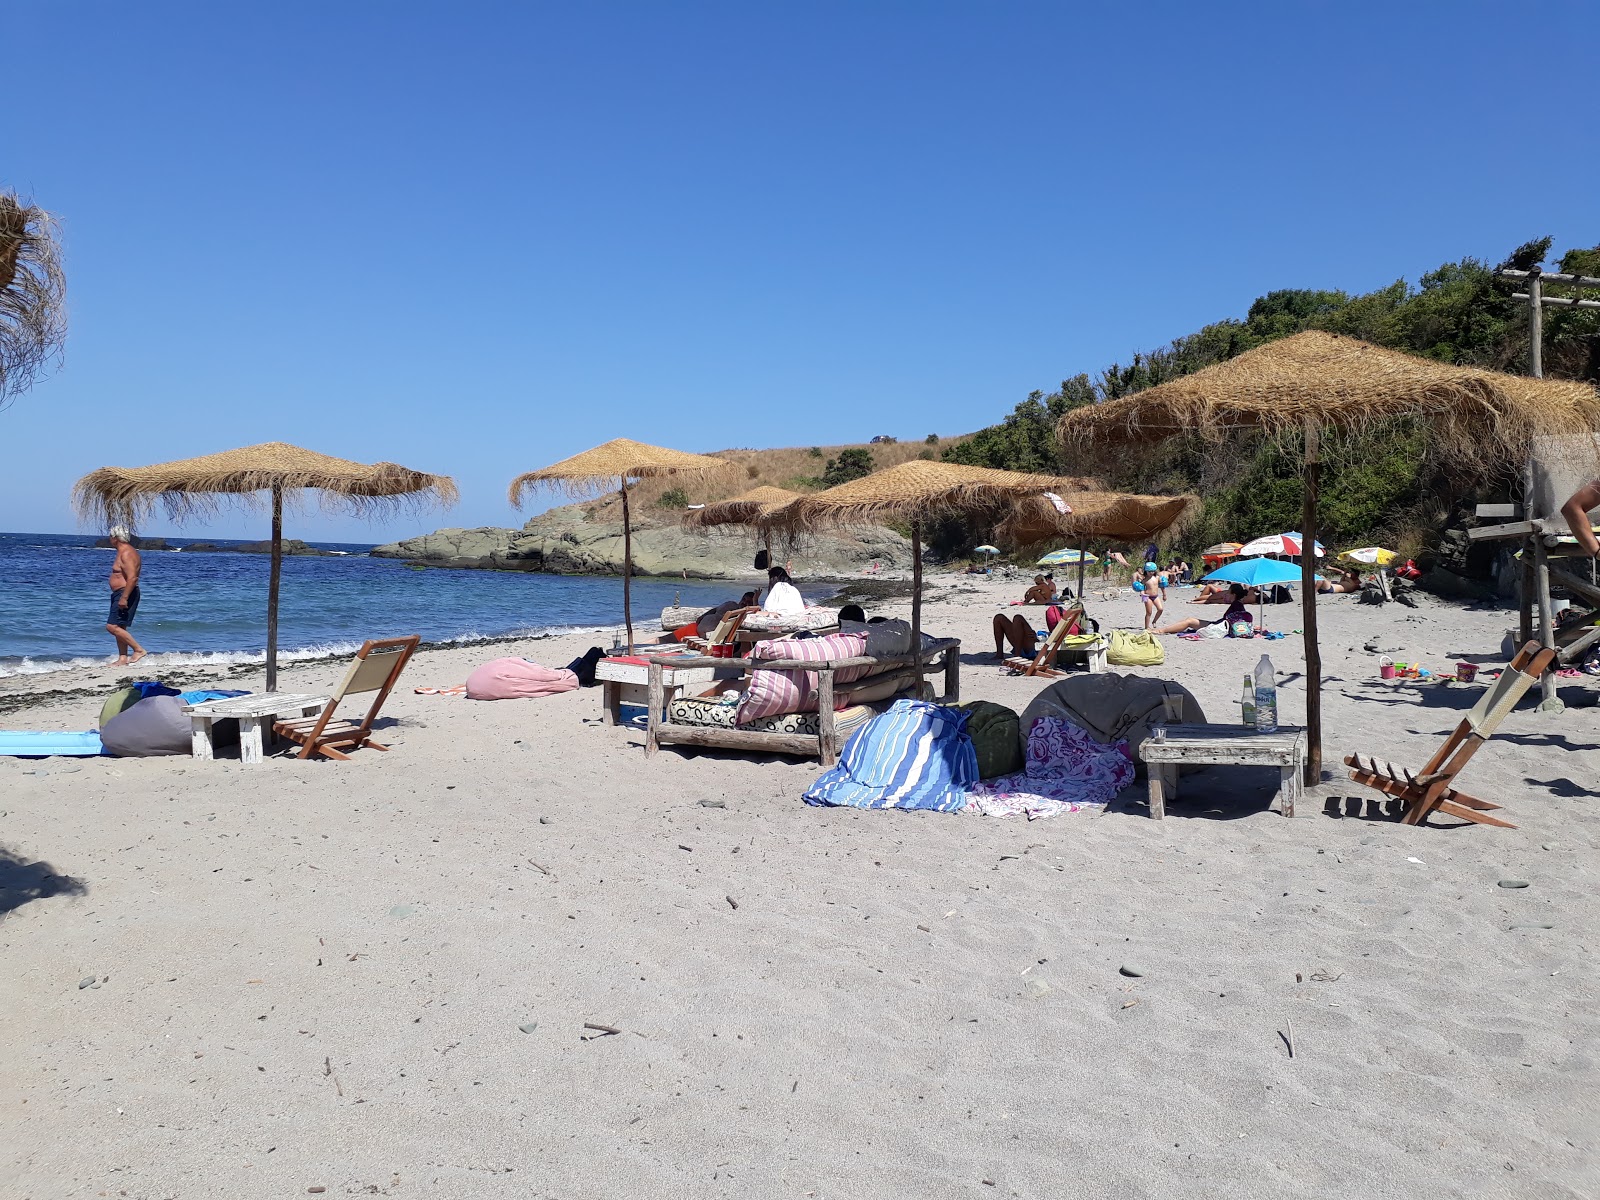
[777, 622]
[688, 710]
[770, 693]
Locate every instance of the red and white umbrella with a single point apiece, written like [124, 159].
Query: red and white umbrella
[1277, 543]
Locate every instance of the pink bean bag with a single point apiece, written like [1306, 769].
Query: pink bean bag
[518, 679]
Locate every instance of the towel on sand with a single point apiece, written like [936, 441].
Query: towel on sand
[916, 755]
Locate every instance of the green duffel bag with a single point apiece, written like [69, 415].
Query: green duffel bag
[1134, 648]
[993, 729]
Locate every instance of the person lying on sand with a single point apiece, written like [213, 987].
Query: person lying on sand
[1348, 581]
[1222, 593]
[1237, 611]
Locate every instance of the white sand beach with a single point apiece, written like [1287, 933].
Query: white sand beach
[374, 977]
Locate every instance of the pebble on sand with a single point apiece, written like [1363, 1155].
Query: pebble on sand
[1513, 883]
[1131, 971]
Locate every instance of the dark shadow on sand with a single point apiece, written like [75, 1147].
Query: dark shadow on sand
[22, 882]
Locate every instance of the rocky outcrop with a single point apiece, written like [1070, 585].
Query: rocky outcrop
[139, 543]
[567, 541]
[292, 547]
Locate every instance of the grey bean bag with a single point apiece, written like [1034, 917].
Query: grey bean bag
[1110, 706]
[155, 725]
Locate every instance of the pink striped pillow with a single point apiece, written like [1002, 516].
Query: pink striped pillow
[773, 693]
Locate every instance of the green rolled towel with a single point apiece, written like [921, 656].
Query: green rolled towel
[994, 732]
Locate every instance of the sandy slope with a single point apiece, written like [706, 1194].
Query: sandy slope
[315, 974]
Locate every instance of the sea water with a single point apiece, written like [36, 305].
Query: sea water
[199, 607]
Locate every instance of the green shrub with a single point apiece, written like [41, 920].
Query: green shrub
[674, 498]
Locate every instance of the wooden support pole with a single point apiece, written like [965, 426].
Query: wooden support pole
[1308, 603]
[1558, 301]
[916, 597]
[627, 567]
[274, 573]
[1080, 571]
[1535, 329]
[1551, 703]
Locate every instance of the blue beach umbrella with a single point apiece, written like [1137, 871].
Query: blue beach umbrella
[987, 550]
[1256, 573]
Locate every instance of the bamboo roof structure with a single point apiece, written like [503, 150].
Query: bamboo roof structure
[33, 288]
[920, 490]
[612, 466]
[755, 507]
[1107, 516]
[198, 486]
[191, 486]
[1334, 382]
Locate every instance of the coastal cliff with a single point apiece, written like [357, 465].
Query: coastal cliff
[573, 541]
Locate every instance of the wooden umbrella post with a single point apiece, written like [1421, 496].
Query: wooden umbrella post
[627, 567]
[916, 601]
[1080, 570]
[1308, 603]
[276, 572]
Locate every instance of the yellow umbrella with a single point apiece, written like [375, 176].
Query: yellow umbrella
[616, 464]
[1372, 556]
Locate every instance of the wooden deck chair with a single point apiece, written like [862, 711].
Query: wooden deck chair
[1044, 661]
[376, 667]
[723, 633]
[1431, 790]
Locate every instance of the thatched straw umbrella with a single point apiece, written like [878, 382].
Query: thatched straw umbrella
[1115, 516]
[33, 319]
[1299, 386]
[759, 507]
[614, 466]
[197, 486]
[914, 492]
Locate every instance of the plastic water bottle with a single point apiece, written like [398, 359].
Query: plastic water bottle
[1266, 696]
[1247, 704]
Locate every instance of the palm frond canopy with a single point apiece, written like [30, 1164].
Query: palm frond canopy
[1107, 516]
[191, 485]
[610, 466]
[1475, 416]
[754, 507]
[919, 490]
[33, 318]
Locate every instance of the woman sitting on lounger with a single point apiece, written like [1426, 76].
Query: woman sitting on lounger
[1016, 630]
[1237, 611]
[782, 595]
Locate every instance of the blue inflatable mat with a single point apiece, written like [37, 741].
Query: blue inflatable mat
[20, 744]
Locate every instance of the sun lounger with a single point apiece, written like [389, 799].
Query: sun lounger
[376, 667]
[822, 739]
[1044, 661]
[723, 633]
[1431, 789]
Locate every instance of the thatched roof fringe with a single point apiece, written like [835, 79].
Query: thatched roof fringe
[33, 320]
[1477, 417]
[755, 507]
[199, 486]
[922, 490]
[605, 467]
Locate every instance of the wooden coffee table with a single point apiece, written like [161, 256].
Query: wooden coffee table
[255, 714]
[1171, 747]
[627, 680]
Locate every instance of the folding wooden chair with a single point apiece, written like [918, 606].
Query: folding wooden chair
[1430, 790]
[376, 667]
[1044, 661]
[723, 633]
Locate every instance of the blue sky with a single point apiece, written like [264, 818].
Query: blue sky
[474, 238]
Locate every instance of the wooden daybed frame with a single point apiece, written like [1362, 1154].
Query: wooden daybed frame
[940, 654]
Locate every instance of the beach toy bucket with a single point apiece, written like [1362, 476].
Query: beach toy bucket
[1386, 668]
[1466, 672]
[1242, 629]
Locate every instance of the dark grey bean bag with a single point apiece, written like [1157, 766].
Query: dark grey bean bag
[155, 725]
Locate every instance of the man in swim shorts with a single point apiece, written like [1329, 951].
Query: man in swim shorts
[124, 596]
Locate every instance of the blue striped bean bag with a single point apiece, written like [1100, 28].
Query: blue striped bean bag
[916, 755]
